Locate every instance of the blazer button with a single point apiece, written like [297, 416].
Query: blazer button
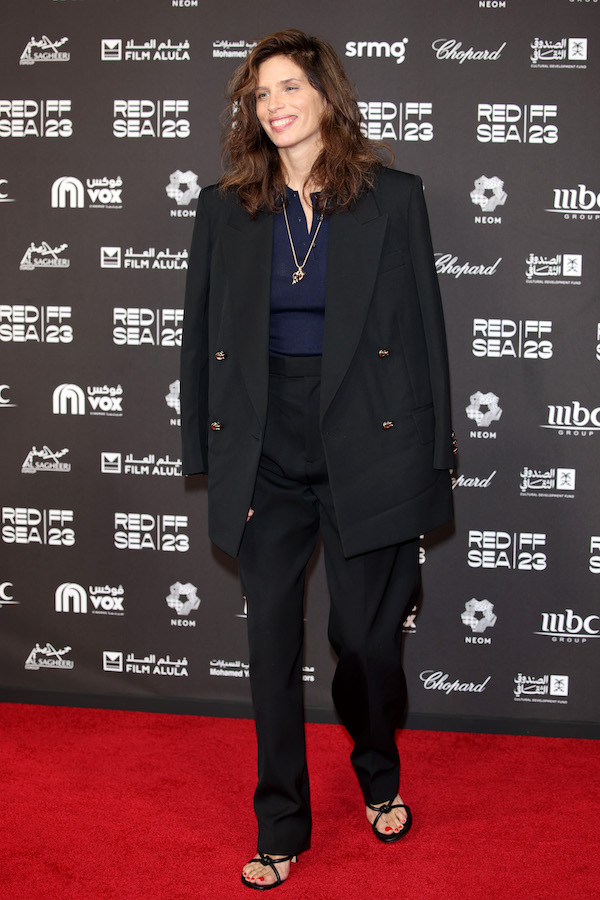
[384, 352]
[215, 426]
[388, 424]
[220, 354]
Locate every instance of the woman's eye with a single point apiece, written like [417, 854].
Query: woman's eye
[261, 95]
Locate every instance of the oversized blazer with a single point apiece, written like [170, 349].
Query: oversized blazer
[384, 403]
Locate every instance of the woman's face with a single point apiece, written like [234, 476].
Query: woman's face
[288, 107]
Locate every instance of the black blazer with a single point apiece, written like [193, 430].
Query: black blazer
[384, 360]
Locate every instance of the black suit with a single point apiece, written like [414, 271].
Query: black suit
[357, 443]
[389, 484]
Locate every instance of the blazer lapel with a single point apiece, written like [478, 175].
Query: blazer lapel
[248, 246]
[355, 243]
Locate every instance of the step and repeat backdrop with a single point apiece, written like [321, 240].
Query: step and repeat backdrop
[110, 591]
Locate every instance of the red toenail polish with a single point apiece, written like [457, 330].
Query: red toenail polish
[262, 878]
[387, 828]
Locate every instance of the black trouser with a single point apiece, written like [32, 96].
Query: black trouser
[371, 595]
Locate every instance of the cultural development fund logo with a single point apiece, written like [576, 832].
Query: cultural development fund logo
[555, 482]
[483, 409]
[44, 50]
[565, 53]
[541, 688]
[439, 681]
[48, 657]
[478, 615]
[488, 193]
[568, 627]
[563, 268]
[575, 420]
[183, 187]
[44, 257]
[575, 203]
[396, 50]
[45, 460]
[184, 599]
[102, 193]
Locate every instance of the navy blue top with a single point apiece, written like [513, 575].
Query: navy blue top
[298, 310]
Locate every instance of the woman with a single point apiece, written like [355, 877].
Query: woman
[314, 393]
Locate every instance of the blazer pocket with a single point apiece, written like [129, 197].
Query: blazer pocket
[424, 420]
[394, 260]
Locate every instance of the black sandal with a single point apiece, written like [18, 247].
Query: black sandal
[383, 811]
[267, 860]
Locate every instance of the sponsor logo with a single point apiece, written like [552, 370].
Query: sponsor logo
[565, 53]
[139, 326]
[409, 625]
[575, 203]
[172, 399]
[70, 399]
[151, 118]
[386, 120]
[104, 599]
[568, 627]
[397, 50]
[4, 198]
[446, 264]
[541, 688]
[45, 460]
[504, 337]
[564, 268]
[117, 661]
[183, 187]
[184, 599]
[438, 681]
[27, 525]
[478, 615]
[44, 257]
[152, 50]
[7, 598]
[4, 401]
[550, 483]
[503, 550]
[594, 563]
[506, 123]
[44, 324]
[232, 49]
[184, 4]
[44, 50]
[470, 481]
[488, 193]
[114, 464]
[221, 668]
[452, 49]
[145, 531]
[483, 409]
[575, 419]
[35, 118]
[492, 4]
[102, 193]
[48, 657]
[116, 258]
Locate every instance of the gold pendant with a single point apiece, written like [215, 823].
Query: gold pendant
[297, 276]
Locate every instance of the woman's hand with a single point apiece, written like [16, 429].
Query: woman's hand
[250, 514]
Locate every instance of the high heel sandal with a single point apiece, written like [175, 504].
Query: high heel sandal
[267, 860]
[383, 811]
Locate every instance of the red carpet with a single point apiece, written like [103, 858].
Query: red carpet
[140, 806]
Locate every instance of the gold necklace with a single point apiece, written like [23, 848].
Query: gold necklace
[299, 273]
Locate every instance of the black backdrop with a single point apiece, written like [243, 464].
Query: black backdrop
[110, 592]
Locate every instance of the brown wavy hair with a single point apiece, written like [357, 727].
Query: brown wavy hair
[346, 165]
